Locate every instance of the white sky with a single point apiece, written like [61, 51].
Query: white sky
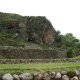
[63, 14]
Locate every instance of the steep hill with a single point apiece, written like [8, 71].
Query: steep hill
[17, 30]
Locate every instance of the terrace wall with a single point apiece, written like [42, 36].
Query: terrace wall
[32, 54]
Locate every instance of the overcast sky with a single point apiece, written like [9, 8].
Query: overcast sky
[63, 14]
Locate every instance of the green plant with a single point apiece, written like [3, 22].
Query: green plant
[70, 53]
[71, 73]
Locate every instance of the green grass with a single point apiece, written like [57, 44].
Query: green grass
[77, 57]
[18, 68]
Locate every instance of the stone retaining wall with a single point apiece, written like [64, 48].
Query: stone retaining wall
[32, 54]
[49, 75]
[20, 61]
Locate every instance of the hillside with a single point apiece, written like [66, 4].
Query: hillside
[17, 30]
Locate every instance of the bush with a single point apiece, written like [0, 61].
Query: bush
[71, 73]
[70, 53]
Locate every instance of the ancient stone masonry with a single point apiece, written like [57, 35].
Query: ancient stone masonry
[21, 61]
[32, 54]
[49, 75]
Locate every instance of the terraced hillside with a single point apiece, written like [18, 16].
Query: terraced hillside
[27, 44]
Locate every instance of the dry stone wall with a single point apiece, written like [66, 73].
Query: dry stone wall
[32, 54]
[49, 75]
[21, 61]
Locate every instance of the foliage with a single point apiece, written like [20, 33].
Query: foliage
[70, 53]
[69, 42]
[35, 26]
[6, 39]
[9, 17]
[71, 74]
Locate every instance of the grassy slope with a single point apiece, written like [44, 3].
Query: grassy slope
[9, 17]
[14, 68]
[6, 36]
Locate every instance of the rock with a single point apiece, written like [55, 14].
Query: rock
[26, 76]
[38, 76]
[48, 37]
[35, 74]
[15, 35]
[58, 75]
[37, 29]
[63, 72]
[65, 77]
[75, 78]
[79, 77]
[44, 33]
[77, 72]
[7, 77]
[16, 77]
[52, 74]
[46, 76]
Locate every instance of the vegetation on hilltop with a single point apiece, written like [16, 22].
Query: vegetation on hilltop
[9, 17]
[25, 28]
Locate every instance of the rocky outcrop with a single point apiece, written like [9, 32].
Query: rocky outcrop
[37, 29]
[40, 30]
[48, 37]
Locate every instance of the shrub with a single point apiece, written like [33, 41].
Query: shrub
[70, 53]
[71, 73]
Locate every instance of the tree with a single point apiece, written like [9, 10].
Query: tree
[68, 41]
[71, 41]
[60, 40]
[57, 39]
[72, 44]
